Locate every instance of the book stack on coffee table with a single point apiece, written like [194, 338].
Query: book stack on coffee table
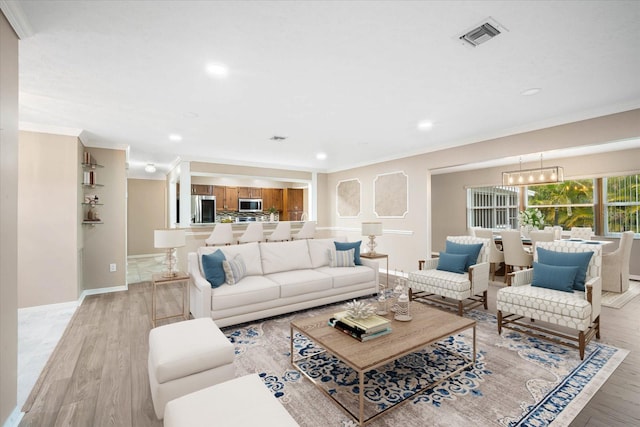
[366, 329]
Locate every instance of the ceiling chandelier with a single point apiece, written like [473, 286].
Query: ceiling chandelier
[537, 176]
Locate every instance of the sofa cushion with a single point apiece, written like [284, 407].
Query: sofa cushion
[250, 254]
[341, 258]
[284, 256]
[318, 250]
[298, 282]
[472, 250]
[252, 290]
[234, 269]
[343, 277]
[555, 277]
[212, 266]
[454, 263]
[568, 259]
[441, 279]
[345, 246]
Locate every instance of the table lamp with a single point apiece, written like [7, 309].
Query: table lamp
[169, 239]
[372, 229]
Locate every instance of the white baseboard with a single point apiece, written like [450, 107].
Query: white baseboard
[634, 277]
[87, 292]
[14, 419]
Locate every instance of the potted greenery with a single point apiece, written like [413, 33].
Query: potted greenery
[272, 213]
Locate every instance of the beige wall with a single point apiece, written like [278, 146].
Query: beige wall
[48, 219]
[106, 243]
[146, 201]
[8, 219]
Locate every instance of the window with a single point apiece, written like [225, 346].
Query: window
[569, 204]
[492, 207]
[621, 204]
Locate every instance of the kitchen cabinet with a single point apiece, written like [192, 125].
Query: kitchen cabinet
[230, 199]
[201, 190]
[272, 197]
[249, 192]
[293, 204]
[219, 193]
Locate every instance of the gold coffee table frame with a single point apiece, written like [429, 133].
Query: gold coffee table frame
[429, 325]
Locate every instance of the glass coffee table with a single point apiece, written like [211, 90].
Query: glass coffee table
[428, 327]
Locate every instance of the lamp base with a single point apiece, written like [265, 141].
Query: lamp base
[372, 244]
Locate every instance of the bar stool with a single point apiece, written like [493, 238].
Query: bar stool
[281, 233]
[221, 235]
[253, 233]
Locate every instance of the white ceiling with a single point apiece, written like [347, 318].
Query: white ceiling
[350, 79]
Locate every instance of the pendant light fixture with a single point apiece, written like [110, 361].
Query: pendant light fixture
[537, 176]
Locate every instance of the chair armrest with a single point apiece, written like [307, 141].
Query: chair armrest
[521, 277]
[593, 294]
[479, 277]
[375, 266]
[199, 289]
[429, 264]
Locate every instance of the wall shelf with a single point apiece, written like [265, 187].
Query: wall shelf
[91, 165]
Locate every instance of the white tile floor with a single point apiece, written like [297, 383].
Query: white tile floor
[40, 328]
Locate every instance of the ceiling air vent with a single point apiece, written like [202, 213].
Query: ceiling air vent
[480, 34]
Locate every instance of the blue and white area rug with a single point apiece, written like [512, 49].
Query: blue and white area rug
[517, 380]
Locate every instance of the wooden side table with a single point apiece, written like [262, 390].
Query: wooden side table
[159, 279]
[378, 255]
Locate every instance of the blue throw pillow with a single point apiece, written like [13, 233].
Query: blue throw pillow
[351, 245]
[568, 259]
[212, 267]
[471, 250]
[452, 262]
[554, 277]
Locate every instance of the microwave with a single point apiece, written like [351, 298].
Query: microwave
[249, 205]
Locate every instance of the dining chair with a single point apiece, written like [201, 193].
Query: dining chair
[615, 265]
[540, 236]
[253, 233]
[496, 256]
[281, 233]
[307, 231]
[222, 234]
[583, 233]
[514, 253]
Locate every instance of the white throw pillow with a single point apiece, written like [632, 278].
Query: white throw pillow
[234, 270]
[341, 258]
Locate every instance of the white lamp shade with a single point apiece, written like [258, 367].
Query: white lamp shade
[372, 229]
[171, 238]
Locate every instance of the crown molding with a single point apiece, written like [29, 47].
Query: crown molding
[16, 17]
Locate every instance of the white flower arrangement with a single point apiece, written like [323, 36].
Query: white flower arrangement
[532, 217]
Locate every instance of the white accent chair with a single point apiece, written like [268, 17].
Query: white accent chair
[430, 285]
[514, 253]
[496, 256]
[615, 265]
[578, 310]
[253, 233]
[584, 233]
[307, 231]
[281, 233]
[222, 234]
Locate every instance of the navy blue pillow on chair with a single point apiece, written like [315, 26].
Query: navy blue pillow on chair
[453, 263]
[471, 250]
[559, 278]
[212, 267]
[568, 259]
[351, 245]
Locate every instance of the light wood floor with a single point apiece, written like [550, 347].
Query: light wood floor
[97, 376]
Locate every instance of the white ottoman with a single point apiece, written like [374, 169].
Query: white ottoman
[185, 357]
[241, 402]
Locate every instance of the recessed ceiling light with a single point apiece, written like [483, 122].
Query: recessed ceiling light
[529, 92]
[175, 137]
[217, 70]
[150, 168]
[321, 156]
[425, 125]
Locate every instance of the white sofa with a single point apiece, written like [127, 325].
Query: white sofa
[281, 277]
